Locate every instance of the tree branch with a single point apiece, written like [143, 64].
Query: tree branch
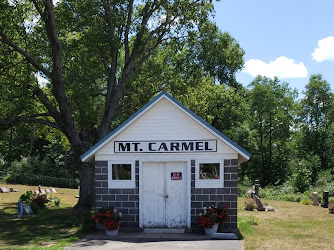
[11, 121]
[46, 102]
[38, 9]
[127, 29]
[5, 39]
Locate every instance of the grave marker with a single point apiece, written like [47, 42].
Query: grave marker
[315, 199]
[259, 204]
[4, 190]
[326, 199]
[257, 186]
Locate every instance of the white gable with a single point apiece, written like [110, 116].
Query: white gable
[164, 118]
[165, 121]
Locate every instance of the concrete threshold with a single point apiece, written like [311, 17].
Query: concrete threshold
[164, 230]
[142, 236]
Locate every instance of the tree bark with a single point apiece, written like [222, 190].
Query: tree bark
[87, 184]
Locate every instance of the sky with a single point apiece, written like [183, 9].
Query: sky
[290, 39]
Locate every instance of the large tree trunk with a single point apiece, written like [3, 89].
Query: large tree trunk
[87, 190]
[86, 174]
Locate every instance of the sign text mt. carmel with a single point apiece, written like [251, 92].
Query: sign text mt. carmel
[175, 146]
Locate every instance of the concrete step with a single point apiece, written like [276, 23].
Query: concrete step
[163, 230]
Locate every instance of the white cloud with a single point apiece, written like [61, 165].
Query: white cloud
[325, 50]
[282, 67]
[155, 21]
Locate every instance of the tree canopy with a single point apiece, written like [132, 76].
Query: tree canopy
[71, 71]
[75, 66]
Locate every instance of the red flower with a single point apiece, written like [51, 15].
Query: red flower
[213, 215]
[109, 219]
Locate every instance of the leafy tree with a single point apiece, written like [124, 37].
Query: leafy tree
[317, 122]
[302, 172]
[216, 53]
[272, 108]
[86, 50]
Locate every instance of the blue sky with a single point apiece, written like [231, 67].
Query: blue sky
[291, 39]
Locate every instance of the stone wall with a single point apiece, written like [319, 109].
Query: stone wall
[227, 196]
[125, 200]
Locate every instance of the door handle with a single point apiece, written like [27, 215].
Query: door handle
[165, 196]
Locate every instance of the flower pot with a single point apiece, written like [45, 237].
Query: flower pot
[111, 232]
[212, 230]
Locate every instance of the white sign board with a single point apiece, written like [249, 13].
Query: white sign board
[177, 146]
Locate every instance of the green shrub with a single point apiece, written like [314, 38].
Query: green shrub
[242, 190]
[301, 179]
[34, 171]
[26, 197]
[249, 219]
[305, 202]
[55, 202]
[304, 172]
[324, 178]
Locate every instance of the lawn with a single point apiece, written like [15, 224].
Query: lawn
[292, 226]
[51, 227]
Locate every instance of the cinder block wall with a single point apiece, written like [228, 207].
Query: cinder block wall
[125, 201]
[205, 197]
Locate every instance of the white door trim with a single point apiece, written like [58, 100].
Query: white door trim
[141, 205]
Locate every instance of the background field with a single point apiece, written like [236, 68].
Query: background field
[292, 226]
[52, 227]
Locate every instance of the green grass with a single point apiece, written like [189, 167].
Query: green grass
[246, 223]
[51, 228]
[292, 226]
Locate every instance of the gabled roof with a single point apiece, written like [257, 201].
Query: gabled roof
[89, 155]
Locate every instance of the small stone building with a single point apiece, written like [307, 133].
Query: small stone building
[163, 165]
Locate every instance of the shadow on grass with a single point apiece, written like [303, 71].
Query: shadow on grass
[50, 224]
[238, 233]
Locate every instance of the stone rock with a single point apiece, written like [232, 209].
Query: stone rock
[4, 190]
[27, 209]
[315, 199]
[270, 208]
[259, 204]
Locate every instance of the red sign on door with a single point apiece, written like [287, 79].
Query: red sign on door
[176, 176]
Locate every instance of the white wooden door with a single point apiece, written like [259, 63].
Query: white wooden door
[165, 194]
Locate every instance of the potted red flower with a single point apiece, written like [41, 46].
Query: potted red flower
[211, 217]
[109, 218]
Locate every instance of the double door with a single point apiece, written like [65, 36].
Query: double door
[164, 194]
